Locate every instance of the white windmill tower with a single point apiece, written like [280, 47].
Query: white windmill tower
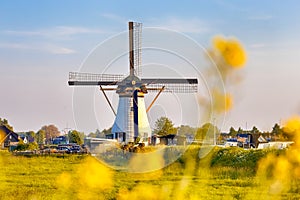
[131, 122]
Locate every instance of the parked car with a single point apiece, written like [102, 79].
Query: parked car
[49, 150]
[64, 149]
[75, 149]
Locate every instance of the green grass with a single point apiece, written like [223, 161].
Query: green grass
[32, 177]
[220, 175]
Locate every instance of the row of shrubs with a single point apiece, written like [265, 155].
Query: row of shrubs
[231, 161]
[29, 146]
[238, 157]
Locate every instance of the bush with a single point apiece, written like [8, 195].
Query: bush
[238, 157]
[23, 147]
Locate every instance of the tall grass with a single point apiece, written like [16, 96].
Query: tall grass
[222, 174]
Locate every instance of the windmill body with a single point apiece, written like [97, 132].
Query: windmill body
[131, 122]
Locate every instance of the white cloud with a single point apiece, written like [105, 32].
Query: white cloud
[54, 32]
[45, 40]
[21, 33]
[193, 25]
[114, 17]
[69, 30]
[14, 46]
[49, 48]
[58, 50]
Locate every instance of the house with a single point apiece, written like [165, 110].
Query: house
[23, 137]
[60, 140]
[7, 137]
[26, 138]
[163, 139]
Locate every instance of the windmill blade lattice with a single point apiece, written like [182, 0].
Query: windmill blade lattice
[78, 78]
[137, 47]
[176, 85]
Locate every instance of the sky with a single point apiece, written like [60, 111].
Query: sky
[42, 41]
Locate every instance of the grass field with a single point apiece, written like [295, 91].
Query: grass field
[223, 174]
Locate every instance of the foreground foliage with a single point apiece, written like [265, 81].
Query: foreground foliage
[222, 174]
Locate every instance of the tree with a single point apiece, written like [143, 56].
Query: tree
[207, 130]
[278, 133]
[92, 134]
[22, 147]
[186, 130]
[240, 130]
[31, 136]
[51, 131]
[164, 126]
[75, 137]
[4, 122]
[232, 132]
[40, 137]
[100, 134]
[276, 130]
[104, 132]
[255, 130]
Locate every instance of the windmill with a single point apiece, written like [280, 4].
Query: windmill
[131, 121]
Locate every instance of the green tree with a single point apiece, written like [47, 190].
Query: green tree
[92, 134]
[240, 130]
[40, 137]
[164, 126]
[186, 130]
[207, 130]
[30, 135]
[75, 137]
[97, 134]
[51, 132]
[232, 132]
[4, 122]
[33, 146]
[278, 133]
[255, 130]
[104, 132]
[22, 147]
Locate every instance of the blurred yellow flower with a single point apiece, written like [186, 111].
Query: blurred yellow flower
[93, 174]
[64, 180]
[231, 50]
[292, 127]
[221, 102]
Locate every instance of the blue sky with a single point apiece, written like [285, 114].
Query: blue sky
[41, 41]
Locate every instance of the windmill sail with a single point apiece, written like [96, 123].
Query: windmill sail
[78, 78]
[177, 85]
[135, 48]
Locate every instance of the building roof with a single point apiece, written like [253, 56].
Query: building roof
[14, 136]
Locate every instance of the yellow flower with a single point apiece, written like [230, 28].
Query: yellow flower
[221, 102]
[231, 50]
[292, 127]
